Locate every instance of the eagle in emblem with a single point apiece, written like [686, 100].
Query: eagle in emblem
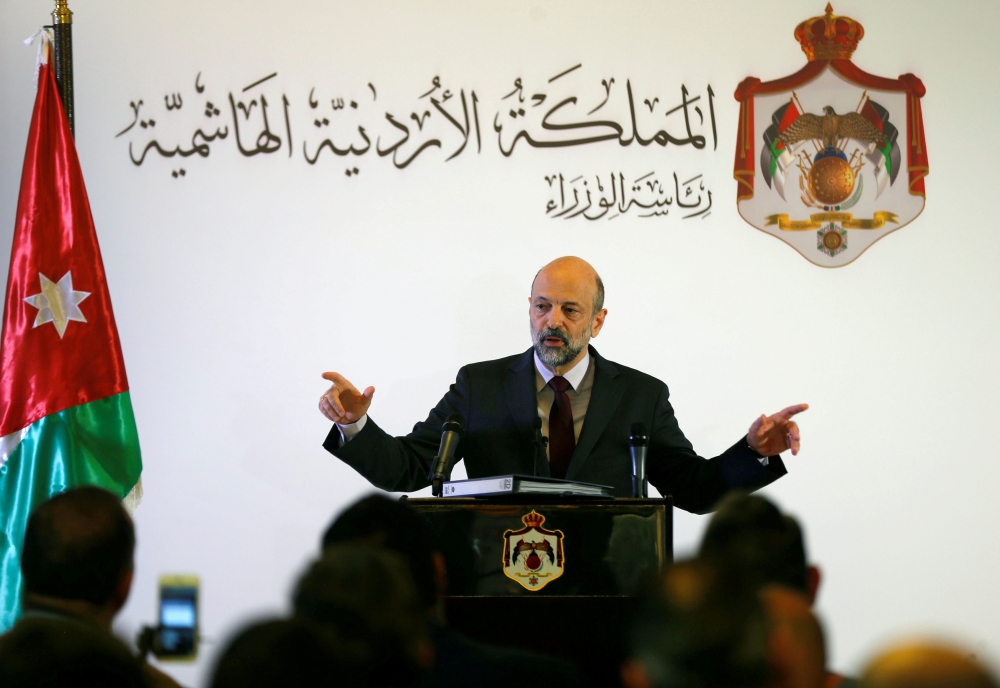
[830, 128]
[533, 562]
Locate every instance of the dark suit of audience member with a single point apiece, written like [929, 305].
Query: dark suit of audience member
[458, 661]
[50, 651]
[77, 562]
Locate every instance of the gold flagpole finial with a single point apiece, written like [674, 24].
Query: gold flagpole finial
[62, 13]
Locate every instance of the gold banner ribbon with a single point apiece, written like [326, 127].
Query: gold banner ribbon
[817, 220]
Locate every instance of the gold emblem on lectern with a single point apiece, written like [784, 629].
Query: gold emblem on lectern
[533, 556]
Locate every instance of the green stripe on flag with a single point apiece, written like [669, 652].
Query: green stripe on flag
[91, 444]
[775, 154]
[887, 154]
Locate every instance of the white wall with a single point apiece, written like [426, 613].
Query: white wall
[236, 285]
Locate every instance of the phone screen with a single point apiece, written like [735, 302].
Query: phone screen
[177, 632]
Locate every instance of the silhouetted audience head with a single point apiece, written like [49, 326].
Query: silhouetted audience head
[78, 546]
[796, 646]
[386, 522]
[924, 664]
[703, 627]
[52, 652]
[291, 652]
[768, 544]
[365, 593]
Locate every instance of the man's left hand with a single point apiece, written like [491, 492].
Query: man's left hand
[770, 435]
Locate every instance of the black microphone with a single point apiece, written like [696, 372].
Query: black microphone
[638, 443]
[451, 432]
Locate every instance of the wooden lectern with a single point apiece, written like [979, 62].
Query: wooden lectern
[553, 574]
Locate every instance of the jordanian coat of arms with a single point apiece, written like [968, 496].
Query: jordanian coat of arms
[831, 158]
[533, 556]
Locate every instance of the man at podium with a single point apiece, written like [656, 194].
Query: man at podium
[585, 403]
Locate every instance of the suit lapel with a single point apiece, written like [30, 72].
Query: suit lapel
[519, 387]
[604, 398]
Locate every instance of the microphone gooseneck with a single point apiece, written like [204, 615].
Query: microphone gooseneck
[451, 433]
[638, 443]
[540, 442]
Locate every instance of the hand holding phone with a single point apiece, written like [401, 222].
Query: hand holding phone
[177, 630]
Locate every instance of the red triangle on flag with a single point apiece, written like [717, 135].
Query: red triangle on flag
[59, 345]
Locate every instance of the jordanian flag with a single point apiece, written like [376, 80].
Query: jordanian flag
[885, 160]
[65, 413]
[775, 158]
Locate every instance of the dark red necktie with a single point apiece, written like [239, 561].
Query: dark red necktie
[562, 441]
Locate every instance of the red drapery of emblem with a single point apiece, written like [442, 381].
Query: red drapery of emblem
[745, 167]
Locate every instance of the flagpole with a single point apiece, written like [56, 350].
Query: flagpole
[62, 27]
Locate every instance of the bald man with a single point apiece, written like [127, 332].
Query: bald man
[927, 664]
[586, 405]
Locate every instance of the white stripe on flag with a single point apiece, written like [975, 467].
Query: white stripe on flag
[8, 443]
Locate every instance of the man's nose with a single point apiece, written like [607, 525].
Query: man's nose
[555, 319]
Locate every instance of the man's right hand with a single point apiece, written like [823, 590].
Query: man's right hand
[343, 403]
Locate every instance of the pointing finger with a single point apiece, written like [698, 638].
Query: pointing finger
[787, 413]
[339, 381]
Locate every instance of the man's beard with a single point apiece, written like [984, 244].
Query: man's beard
[556, 357]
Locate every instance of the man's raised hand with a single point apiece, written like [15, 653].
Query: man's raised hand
[343, 403]
[770, 435]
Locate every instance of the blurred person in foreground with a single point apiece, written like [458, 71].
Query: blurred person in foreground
[292, 652]
[77, 562]
[391, 524]
[927, 664]
[770, 548]
[365, 593]
[57, 652]
[702, 627]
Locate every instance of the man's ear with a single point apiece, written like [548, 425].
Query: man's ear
[120, 595]
[813, 578]
[599, 317]
[634, 675]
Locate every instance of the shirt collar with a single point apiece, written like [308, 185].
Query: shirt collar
[574, 376]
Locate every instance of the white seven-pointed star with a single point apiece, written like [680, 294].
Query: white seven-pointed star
[58, 303]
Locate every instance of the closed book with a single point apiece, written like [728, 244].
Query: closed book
[522, 484]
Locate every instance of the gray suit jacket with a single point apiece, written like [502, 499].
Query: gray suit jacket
[498, 403]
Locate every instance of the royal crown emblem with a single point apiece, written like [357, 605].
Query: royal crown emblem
[827, 180]
[533, 556]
